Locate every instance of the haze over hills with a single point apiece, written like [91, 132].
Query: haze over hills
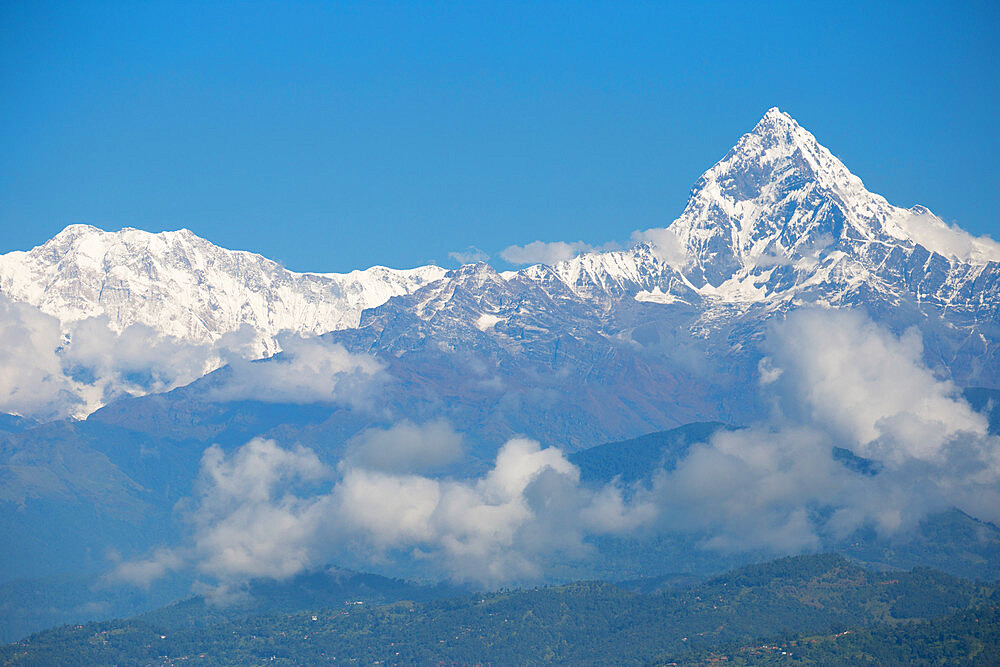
[824, 597]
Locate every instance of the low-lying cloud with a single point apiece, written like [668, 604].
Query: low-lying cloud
[307, 370]
[259, 512]
[837, 380]
[840, 385]
[405, 447]
[48, 371]
[51, 371]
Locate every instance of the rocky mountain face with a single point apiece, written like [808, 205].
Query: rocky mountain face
[605, 345]
[779, 218]
[184, 286]
[778, 223]
[613, 344]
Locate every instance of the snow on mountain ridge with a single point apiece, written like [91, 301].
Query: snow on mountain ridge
[779, 190]
[184, 286]
[778, 214]
[778, 223]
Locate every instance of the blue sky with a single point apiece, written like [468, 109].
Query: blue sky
[336, 136]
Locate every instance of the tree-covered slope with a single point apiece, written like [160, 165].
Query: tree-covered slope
[587, 622]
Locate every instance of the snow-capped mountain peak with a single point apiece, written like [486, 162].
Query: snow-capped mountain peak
[780, 197]
[776, 195]
[778, 138]
[777, 217]
[777, 223]
[182, 285]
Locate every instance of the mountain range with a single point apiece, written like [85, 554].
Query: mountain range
[606, 347]
[183, 286]
[779, 223]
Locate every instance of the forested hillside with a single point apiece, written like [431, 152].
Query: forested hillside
[819, 596]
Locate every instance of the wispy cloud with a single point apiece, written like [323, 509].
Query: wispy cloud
[470, 255]
[936, 235]
[665, 243]
[541, 252]
[405, 447]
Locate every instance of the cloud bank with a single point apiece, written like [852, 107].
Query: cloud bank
[259, 512]
[861, 435]
[49, 372]
[405, 447]
[307, 370]
[837, 380]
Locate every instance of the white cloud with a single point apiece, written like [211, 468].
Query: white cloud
[504, 526]
[48, 372]
[32, 382]
[248, 518]
[308, 370]
[263, 510]
[540, 252]
[838, 380]
[846, 374]
[920, 225]
[750, 489]
[144, 572]
[665, 243]
[406, 447]
[470, 255]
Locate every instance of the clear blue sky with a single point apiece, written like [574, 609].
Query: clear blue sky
[338, 136]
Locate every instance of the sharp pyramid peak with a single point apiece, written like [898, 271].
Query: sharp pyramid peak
[777, 192]
[776, 127]
[776, 139]
[774, 115]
